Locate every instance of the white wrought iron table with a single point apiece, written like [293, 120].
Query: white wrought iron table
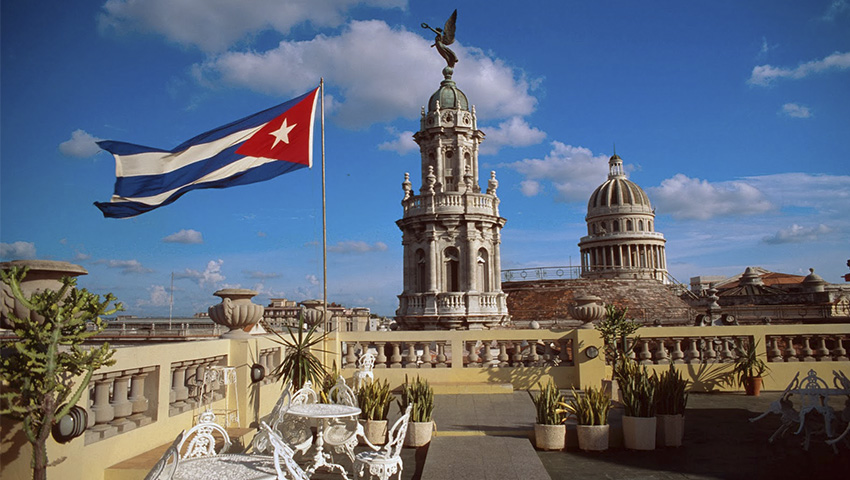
[323, 412]
[227, 466]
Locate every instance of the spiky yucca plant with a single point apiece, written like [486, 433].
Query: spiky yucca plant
[547, 403]
[299, 363]
[638, 389]
[419, 394]
[374, 399]
[672, 395]
[591, 408]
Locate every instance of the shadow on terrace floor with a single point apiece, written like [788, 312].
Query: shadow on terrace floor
[719, 443]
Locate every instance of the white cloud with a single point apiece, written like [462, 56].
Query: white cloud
[574, 172]
[159, 297]
[402, 143]
[795, 111]
[351, 246]
[80, 145]
[312, 279]
[836, 8]
[211, 275]
[185, 236]
[764, 75]
[375, 84]
[691, 198]
[17, 250]
[125, 266]
[514, 132]
[191, 22]
[798, 234]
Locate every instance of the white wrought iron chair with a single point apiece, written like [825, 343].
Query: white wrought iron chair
[283, 454]
[201, 438]
[163, 470]
[260, 443]
[295, 430]
[342, 433]
[386, 462]
[365, 364]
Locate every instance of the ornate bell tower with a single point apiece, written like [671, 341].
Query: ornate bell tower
[451, 229]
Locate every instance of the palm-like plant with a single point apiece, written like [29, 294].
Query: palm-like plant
[300, 363]
[748, 364]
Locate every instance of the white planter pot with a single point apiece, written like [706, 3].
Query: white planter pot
[418, 434]
[669, 430]
[550, 437]
[375, 430]
[639, 432]
[592, 437]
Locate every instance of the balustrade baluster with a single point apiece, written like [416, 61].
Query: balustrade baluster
[194, 384]
[441, 355]
[806, 351]
[533, 357]
[790, 351]
[425, 358]
[121, 405]
[661, 357]
[548, 353]
[395, 358]
[775, 354]
[410, 359]
[516, 358]
[503, 354]
[710, 353]
[487, 358]
[645, 354]
[178, 384]
[678, 355]
[381, 357]
[822, 351]
[726, 354]
[839, 352]
[473, 358]
[138, 399]
[350, 356]
[102, 409]
[693, 352]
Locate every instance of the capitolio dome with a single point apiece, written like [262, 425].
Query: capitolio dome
[448, 94]
[618, 194]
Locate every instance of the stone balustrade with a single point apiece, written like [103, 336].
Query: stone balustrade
[451, 202]
[119, 401]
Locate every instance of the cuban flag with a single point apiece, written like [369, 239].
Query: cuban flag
[253, 149]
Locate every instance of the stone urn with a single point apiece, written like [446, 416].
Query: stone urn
[587, 309]
[236, 311]
[42, 275]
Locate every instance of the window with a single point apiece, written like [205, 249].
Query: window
[421, 281]
[452, 269]
[483, 271]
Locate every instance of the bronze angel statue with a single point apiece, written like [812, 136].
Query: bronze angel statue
[445, 36]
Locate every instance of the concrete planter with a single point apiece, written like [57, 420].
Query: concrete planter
[669, 430]
[418, 434]
[236, 312]
[550, 437]
[375, 430]
[593, 438]
[42, 275]
[639, 432]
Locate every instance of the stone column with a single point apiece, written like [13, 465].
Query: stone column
[121, 405]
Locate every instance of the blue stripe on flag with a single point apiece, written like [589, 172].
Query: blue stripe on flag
[258, 174]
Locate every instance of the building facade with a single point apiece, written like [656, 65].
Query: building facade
[451, 229]
[621, 240]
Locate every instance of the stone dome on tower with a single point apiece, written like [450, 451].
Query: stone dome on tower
[621, 240]
[448, 95]
[617, 193]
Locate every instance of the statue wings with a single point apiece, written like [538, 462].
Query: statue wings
[448, 32]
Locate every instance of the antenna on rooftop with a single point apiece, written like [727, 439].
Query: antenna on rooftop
[171, 301]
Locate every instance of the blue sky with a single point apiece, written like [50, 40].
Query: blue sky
[734, 116]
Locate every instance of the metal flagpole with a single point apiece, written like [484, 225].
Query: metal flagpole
[325, 223]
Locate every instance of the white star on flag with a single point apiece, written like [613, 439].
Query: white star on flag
[282, 133]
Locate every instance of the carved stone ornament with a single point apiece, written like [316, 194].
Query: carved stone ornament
[236, 311]
[587, 309]
[42, 275]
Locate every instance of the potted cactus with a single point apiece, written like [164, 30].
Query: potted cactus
[670, 401]
[591, 413]
[638, 390]
[419, 394]
[375, 399]
[550, 433]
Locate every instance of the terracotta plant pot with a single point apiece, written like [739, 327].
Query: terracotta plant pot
[418, 434]
[639, 432]
[375, 430]
[670, 429]
[593, 438]
[550, 437]
[752, 385]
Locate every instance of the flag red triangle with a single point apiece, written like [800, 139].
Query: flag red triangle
[290, 142]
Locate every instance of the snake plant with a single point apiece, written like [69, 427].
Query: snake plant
[419, 394]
